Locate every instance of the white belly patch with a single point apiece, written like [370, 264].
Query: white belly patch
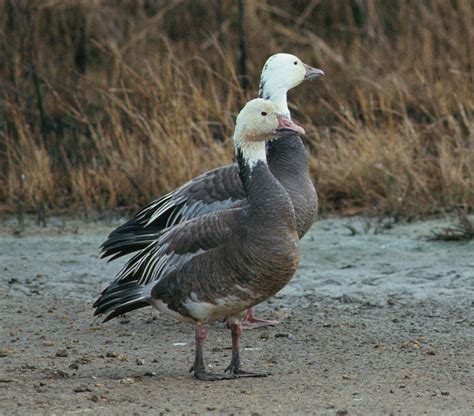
[163, 307]
[206, 312]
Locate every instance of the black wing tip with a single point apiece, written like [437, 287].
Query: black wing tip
[122, 310]
[108, 318]
[119, 298]
[126, 244]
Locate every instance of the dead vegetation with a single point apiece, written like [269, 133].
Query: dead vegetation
[462, 230]
[108, 105]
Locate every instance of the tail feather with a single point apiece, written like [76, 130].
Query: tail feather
[124, 309]
[121, 245]
[114, 289]
[143, 228]
[118, 299]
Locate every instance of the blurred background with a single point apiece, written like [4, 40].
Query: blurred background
[106, 105]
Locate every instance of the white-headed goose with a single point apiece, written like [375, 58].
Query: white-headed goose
[222, 188]
[214, 267]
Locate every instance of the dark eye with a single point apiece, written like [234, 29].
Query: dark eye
[295, 63]
[263, 113]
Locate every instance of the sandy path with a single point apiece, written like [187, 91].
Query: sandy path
[371, 324]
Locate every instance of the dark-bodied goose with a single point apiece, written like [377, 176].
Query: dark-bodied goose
[221, 188]
[214, 267]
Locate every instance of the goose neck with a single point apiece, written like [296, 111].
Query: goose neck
[277, 96]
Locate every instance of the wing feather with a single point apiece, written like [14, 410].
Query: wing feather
[212, 191]
[176, 246]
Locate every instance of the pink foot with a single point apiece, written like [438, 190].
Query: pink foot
[250, 322]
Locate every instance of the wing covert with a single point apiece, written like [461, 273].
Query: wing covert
[177, 245]
[216, 190]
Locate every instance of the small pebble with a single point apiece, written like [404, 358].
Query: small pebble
[62, 353]
[7, 380]
[6, 351]
[81, 389]
[60, 374]
[127, 381]
[140, 361]
[150, 374]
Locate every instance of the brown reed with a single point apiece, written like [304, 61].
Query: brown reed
[109, 105]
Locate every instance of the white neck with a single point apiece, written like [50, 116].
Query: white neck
[280, 101]
[277, 96]
[252, 152]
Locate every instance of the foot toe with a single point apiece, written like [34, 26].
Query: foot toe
[238, 373]
[257, 323]
[207, 376]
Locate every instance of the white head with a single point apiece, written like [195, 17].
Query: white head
[260, 120]
[281, 73]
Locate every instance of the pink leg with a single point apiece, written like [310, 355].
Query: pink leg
[234, 366]
[199, 368]
[251, 322]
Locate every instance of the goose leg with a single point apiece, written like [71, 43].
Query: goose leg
[199, 367]
[234, 369]
[251, 322]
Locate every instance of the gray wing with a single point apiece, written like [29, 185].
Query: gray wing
[179, 260]
[178, 245]
[212, 191]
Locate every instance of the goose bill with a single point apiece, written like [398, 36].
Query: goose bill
[287, 127]
[312, 73]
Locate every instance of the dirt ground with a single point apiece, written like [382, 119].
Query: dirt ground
[375, 323]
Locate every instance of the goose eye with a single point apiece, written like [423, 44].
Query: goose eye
[295, 63]
[263, 113]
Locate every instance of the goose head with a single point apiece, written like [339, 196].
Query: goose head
[259, 121]
[281, 73]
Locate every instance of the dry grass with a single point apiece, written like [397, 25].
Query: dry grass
[108, 106]
[463, 230]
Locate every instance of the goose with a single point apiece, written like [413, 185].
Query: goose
[222, 188]
[214, 267]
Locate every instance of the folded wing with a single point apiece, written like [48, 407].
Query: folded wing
[200, 241]
[176, 246]
[212, 191]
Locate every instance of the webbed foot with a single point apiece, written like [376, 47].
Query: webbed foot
[250, 322]
[204, 375]
[257, 323]
[235, 372]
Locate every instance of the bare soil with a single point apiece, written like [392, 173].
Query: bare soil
[380, 322]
